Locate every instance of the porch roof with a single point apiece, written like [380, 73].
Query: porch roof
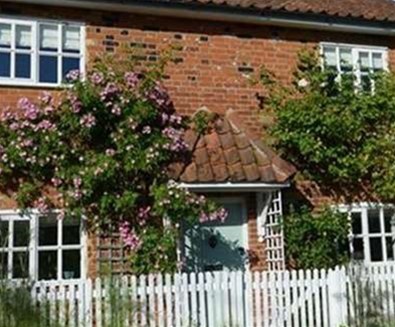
[228, 153]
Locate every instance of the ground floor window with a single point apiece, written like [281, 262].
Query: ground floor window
[40, 247]
[372, 236]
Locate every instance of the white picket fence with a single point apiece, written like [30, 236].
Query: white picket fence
[224, 299]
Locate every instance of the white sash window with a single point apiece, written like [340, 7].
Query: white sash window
[357, 61]
[39, 52]
[41, 247]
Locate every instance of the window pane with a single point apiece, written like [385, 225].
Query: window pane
[3, 234]
[71, 233]
[366, 83]
[69, 64]
[5, 64]
[48, 231]
[345, 60]
[48, 69]
[3, 264]
[23, 37]
[20, 265]
[5, 35]
[390, 248]
[330, 56]
[388, 214]
[47, 265]
[376, 249]
[356, 223]
[71, 264]
[22, 65]
[358, 253]
[364, 61]
[374, 221]
[378, 63]
[21, 233]
[71, 39]
[49, 37]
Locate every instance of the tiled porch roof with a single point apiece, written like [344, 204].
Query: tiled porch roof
[227, 153]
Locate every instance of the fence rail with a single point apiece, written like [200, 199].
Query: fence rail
[223, 299]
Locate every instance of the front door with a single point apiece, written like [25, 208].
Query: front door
[214, 246]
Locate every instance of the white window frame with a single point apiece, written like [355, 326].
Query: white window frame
[35, 51]
[363, 209]
[33, 247]
[355, 49]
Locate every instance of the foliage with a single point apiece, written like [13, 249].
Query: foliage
[335, 131]
[17, 308]
[104, 151]
[317, 240]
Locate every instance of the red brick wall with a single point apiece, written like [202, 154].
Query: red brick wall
[214, 61]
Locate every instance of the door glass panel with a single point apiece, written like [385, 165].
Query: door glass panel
[374, 221]
[21, 233]
[376, 249]
[47, 265]
[48, 231]
[71, 264]
[20, 265]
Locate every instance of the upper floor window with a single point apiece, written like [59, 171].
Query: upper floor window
[372, 237]
[358, 62]
[39, 52]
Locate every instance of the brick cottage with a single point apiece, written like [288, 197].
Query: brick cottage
[218, 47]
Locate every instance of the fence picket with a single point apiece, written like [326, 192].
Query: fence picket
[257, 296]
[240, 299]
[210, 299]
[287, 298]
[151, 300]
[185, 300]
[168, 301]
[295, 298]
[233, 299]
[265, 296]
[225, 293]
[161, 315]
[194, 301]
[202, 300]
[143, 300]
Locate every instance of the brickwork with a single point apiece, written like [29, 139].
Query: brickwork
[213, 67]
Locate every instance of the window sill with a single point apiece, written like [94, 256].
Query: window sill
[28, 84]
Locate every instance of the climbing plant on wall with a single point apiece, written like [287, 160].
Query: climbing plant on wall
[102, 150]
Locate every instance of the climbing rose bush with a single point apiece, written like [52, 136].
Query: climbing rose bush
[103, 151]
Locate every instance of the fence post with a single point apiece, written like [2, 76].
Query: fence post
[337, 297]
